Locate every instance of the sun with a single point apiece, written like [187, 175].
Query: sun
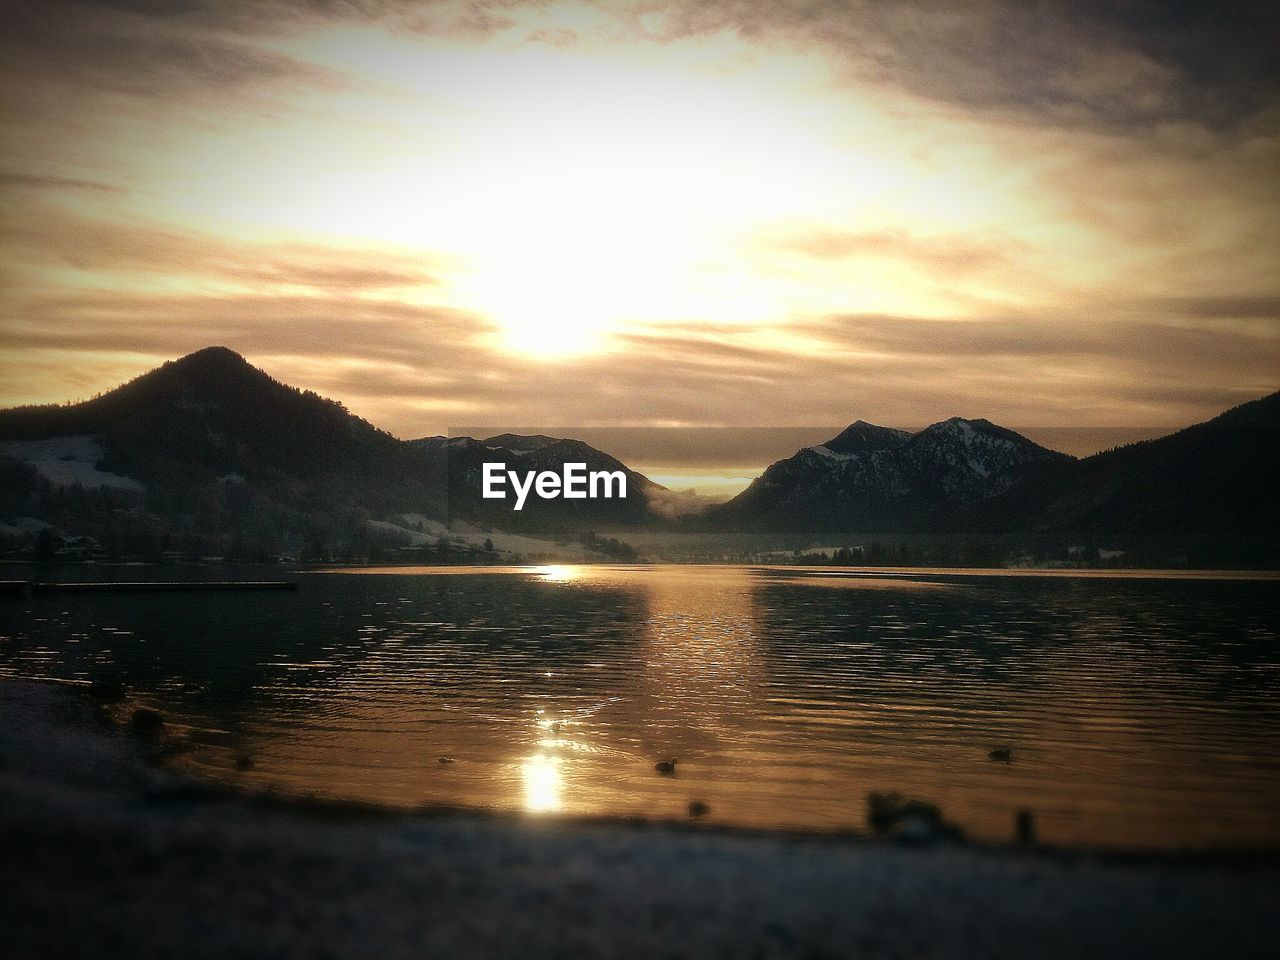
[558, 294]
[612, 194]
[564, 197]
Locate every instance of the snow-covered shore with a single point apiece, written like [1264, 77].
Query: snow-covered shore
[105, 855]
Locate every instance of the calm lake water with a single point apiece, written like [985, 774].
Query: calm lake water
[1140, 712]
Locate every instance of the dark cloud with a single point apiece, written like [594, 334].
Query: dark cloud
[1221, 308]
[702, 350]
[68, 59]
[1071, 61]
[1105, 64]
[1067, 337]
[32, 181]
[246, 18]
[48, 235]
[1223, 46]
[948, 254]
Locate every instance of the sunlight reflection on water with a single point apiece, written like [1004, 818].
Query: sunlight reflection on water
[557, 572]
[542, 782]
[1139, 712]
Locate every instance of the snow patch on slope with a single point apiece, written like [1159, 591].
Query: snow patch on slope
[827, 453]
[66, 461]
[433, 530]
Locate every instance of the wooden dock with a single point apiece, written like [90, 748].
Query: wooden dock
[27, 588]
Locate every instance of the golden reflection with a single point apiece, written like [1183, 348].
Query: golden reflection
[690, 693]
[783, 708]
[700, 685]
[542, 782]
[557, 572]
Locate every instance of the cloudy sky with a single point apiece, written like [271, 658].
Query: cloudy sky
[751, 213]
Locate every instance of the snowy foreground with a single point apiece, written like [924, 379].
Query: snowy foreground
[104, 856]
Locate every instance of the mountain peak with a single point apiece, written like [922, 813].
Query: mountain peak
[863, 437]
[220, 361]
[215, 352]
[968, 429]
[211, 368]
[522, 443]
[211, 375]
[962, 422]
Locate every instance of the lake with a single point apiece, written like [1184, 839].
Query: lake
[1141, 712]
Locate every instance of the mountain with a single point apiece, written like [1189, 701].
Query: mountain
[1215, 481]
[219, 447]
[210, 416]
[210, 453]
[462, 459]
[862, 437]
[871, 478]
[1205, 493]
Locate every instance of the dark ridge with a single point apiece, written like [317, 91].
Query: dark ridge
[1214, 480]
[984, 426]
[516, 441]
[863, 437]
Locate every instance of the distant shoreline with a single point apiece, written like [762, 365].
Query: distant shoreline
[1152, 573]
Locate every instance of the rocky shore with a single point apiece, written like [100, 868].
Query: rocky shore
[107, 855]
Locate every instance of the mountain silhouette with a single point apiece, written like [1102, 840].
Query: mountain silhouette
[209, 450]
[872, 478]
[1215, 480]
[222, 451]
[211, 417]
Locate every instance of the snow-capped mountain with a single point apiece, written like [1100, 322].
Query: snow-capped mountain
[871, 477]
[968, 460]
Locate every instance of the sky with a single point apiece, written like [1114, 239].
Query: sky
[759, 213]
